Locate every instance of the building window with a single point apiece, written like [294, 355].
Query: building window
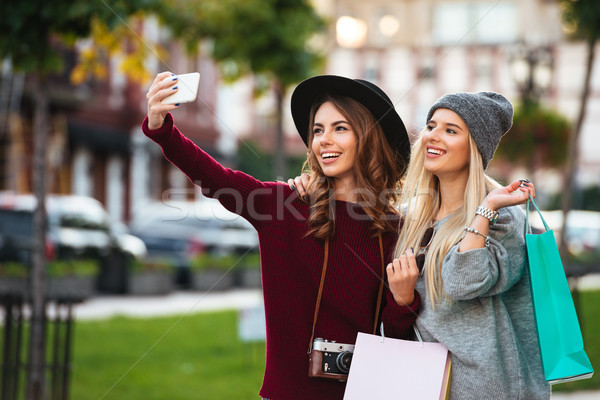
[469, 22]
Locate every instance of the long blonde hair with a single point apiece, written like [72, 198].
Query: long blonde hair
[421, 202]
[377, 170]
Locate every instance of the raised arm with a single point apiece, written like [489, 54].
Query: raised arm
[237, 191]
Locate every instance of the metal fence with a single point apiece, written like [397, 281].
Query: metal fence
[15, 314]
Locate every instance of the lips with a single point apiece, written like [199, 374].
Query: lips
[330, 156]
[433, 151]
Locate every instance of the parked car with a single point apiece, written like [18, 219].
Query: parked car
[176, 233]
[78, 227]
[127, 242]
[583, 228]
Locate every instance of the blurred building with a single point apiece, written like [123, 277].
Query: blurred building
[415, 50]
[420, 50]
[95, 145]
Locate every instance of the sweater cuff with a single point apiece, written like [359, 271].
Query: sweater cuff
[165, 130]
[408, 308]
[400, 319]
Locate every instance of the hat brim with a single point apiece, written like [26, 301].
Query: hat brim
[382, 109]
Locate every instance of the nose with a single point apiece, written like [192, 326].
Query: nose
[326, 138]
[433, 134]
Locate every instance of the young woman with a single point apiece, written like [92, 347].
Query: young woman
[357, 149]
[466, 236]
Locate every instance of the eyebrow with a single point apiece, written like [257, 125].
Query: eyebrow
[455, 125]
[447, 123]
[334, 124]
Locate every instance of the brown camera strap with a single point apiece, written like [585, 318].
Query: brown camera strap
[322, 282]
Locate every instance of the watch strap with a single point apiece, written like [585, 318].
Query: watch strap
[491, 215]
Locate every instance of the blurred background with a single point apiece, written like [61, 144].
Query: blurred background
[74, 75]
[95, 64]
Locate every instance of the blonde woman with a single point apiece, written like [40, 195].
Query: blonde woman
[465, 234]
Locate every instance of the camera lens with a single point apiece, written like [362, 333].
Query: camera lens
[343, 361]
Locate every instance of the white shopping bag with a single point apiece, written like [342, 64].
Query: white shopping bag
[386, 368]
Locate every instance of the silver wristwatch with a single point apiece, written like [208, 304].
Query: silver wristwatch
[487, 213]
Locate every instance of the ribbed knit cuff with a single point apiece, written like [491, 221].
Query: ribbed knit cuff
[164, 130]
[414, 306]
[398, 319]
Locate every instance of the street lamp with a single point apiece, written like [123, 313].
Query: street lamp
[351, 32]
[531, 69]
[389, 25]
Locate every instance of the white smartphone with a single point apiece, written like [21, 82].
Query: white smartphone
[187, 85]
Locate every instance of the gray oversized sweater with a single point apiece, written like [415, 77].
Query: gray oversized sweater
[487, 321]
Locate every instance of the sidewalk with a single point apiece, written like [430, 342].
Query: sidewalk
[588, 395]
[172, 304]
[589, 282]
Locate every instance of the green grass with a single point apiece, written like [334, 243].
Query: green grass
[588, 310]
[200, 357]
[195, 357]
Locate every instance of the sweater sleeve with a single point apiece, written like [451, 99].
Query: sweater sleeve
[490, 270]
[398, 320]
[238, 192]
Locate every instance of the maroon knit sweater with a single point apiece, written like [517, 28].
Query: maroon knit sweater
[291, 264]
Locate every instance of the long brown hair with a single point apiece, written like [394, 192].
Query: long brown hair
[377, 171]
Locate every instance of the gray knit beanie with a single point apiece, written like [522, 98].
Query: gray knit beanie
[488, 116]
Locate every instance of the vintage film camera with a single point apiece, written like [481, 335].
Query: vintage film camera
[330, 360]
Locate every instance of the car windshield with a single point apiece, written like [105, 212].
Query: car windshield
[78, 213]
[81, 221]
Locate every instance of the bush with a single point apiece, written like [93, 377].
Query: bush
[54, 269]
[226, 261]
[12, 269]
[59, 268]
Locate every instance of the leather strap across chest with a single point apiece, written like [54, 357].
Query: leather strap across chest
[322, 282]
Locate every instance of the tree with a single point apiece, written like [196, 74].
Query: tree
[246, 161]
[268, 38]
[538, 137]
[31, 30]
[582, 19]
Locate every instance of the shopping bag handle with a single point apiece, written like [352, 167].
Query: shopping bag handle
[539, 212]
[415, 329]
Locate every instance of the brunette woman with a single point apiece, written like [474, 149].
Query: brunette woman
[357, 149]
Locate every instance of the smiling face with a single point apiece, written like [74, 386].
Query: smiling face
[334, 144]
[446, 144]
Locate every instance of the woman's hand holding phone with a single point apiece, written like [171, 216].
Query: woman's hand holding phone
[167, 92]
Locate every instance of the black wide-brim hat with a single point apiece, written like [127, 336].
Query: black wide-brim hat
[366, 93]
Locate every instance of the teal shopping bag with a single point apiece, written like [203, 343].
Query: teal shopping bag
[559, 334]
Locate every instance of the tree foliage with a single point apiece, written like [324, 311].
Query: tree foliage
[263, 170]
[538, 134]
[267, 38]
[121, 42]
[251, 36]
[581, 18]
[30, 28]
